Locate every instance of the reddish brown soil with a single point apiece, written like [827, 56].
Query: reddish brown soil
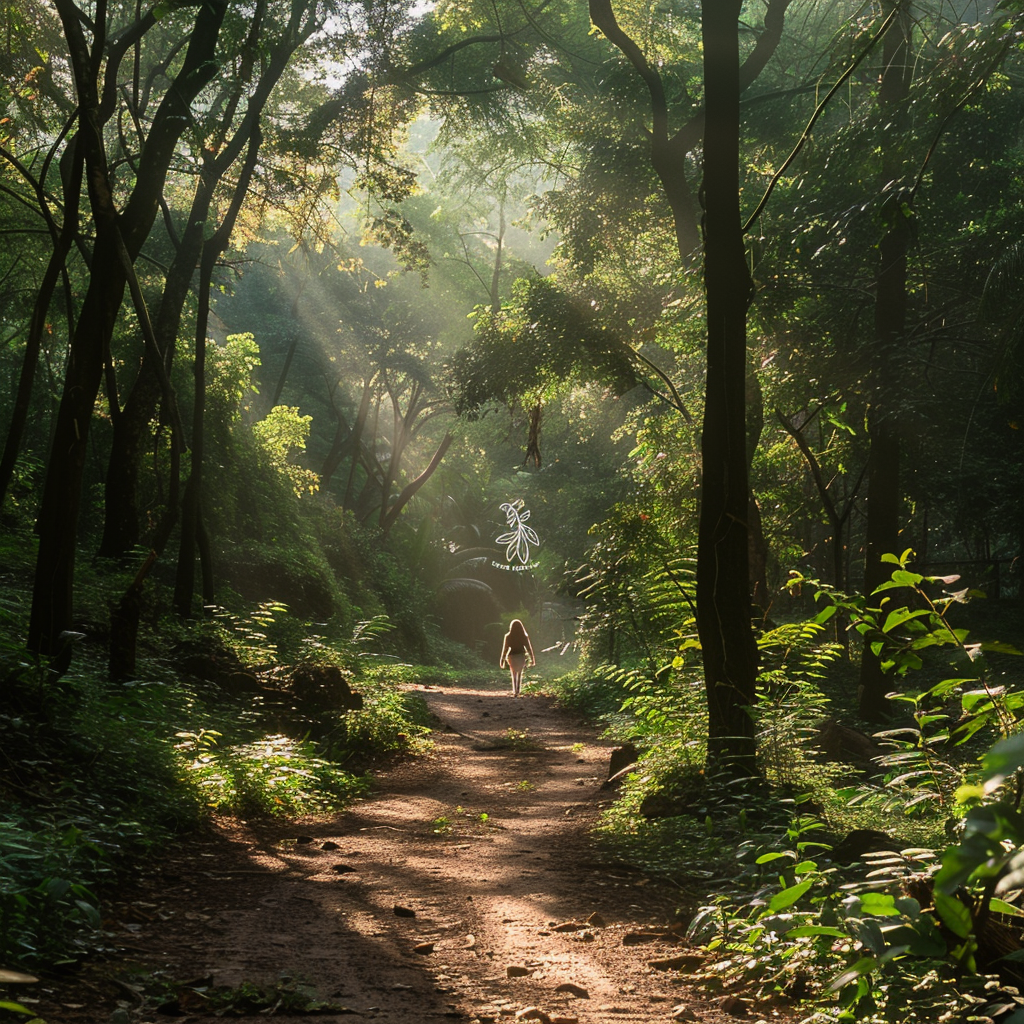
[400, 918]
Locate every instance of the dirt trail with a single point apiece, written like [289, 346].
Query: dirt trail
[450, 894]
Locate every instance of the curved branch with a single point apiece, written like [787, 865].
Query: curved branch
[602, 15]
[818, 111]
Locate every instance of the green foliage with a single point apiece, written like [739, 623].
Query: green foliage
[90, 784]
[48, 915]
[229, 376]
[518, 739]
[534, 345]
[903, 623]
[273, 776]
[247, 634]
[790, 701]
[279, 436]
[899, 939]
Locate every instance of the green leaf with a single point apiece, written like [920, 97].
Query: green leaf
[1004, 758]
[878, 904]
[998, 647]
[955, 916]
[825, 614]
[866, 965]
[789, 896]
[767, 858]
[1002, 907]
[901, 615]
[809, 930]
[16, 1008]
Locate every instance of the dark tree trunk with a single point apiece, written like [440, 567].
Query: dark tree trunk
[757, 546]
[357, 443]
[193, 530]
[883, 527]
[723, 615]
[340, 445]
[723, 599]
[130, 436]
[58, 515]
[884, 496]
[184, 581]
[23, 397]
[410, 489]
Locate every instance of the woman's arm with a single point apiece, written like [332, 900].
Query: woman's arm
[504, 651]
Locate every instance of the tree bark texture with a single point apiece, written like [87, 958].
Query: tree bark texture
[723, 599]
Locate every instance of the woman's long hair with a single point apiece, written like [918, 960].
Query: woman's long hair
[516, 631]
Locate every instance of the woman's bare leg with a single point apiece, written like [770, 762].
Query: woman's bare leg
[516, 665]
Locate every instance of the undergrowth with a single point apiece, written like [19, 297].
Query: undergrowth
[95, 776]
[883, 891]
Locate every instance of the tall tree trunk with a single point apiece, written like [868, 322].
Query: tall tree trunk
[357, 443]
[62, 243]
[884, 494]
[130, 434]
[723, 599]
[193, 529]
[757, 545]
[59, 510]
[184, 580]
[723, 614]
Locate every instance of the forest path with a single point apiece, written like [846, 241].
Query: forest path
[439, 897]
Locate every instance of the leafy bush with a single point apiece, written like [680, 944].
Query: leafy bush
[910, 935]
[270, 777]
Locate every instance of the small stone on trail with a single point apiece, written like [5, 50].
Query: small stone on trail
[404, 911]
[596, 921]
[470, 941]
[303, 840]
[330, 844]
[424, 947]
[515, 971]
[344, 869]
[684, 961]
[533, 1013]
[683, 1012]
[574, 990]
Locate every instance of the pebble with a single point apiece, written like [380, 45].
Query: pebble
[574, 990]
[683, 1012]
[533, 1013]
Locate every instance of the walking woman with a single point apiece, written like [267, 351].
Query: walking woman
[514, 651]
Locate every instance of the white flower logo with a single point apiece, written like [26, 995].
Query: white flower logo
[520, 536]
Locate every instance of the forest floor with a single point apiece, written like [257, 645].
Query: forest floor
[466, 887]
